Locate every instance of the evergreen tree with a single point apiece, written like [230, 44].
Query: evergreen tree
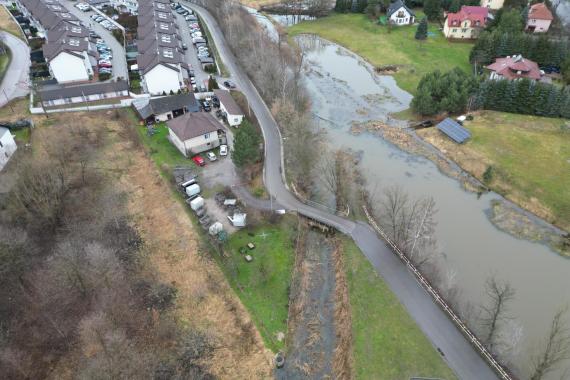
[422, 30]
[455, 6]
[511, 22]
[565, 70]
[246, 145]
[433, 9]
[423, 103]
[565, 103]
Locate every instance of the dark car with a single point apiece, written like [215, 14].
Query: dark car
[215, 102]
[229, 84]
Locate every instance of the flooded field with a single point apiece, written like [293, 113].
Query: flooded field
[344, 89]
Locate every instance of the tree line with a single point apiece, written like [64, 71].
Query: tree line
[455, 92]
[542, 49]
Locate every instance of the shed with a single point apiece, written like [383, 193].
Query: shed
[454, 130]
[234, 114]
[165, 107]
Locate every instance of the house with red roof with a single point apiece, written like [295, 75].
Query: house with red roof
[514, 67]
[539, 18]
[465, 24]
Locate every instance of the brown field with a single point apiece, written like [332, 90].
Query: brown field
[8, 24]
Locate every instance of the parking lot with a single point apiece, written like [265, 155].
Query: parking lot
[190, 54]
[119, 59]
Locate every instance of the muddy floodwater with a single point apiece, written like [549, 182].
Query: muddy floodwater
[344, 89]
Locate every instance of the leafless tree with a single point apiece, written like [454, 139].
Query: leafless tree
[555, 348]
[495, 313]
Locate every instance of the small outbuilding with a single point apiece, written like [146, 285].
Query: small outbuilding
[234, 114]
[165, 107]
[196, 132]
[7, 146]
[399, 14]
[454, 130]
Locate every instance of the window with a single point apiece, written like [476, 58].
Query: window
[454, 30]
[74, 42]
[463, 30]
[168, 53]
[76, 29]
[400, 14]
[207, 136]
[162, 15]
[165, 38]
[163, 26]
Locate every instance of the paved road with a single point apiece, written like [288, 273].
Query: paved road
[119, 56]
[190, 55]
[459, 354]
[16, 81]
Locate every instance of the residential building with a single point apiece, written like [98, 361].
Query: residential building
[539, 18]
[130, 6]
[161, 57]
[492, 4]
[165, 108]
[62, 95]
[195, 132]
[70, 55]
[514, 67]
[465, 24]
[399, 14]
[7, 146]
[234, 114]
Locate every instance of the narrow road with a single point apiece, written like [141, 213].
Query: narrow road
[458, 352]
[16, 80]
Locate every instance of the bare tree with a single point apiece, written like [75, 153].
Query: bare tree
[500, 294]
[556, 347]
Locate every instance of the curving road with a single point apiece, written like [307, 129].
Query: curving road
[458, 353]
[16, 81]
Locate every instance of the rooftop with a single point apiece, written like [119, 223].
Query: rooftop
[193, 124]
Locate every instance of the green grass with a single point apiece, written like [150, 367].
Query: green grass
[387, 343]
[4, 63]
[263, 284]
[162, 151]
[223, 71]
[381, 45]
[531, 154]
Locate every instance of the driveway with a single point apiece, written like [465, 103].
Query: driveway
[16, 82]
[120, 69]
[440, 330]
[190, 55]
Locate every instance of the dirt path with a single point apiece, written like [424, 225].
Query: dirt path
[204, 299]
[312, 311]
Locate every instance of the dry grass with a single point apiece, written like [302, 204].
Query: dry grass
[8, 24]
[342, 362]
[204, 298]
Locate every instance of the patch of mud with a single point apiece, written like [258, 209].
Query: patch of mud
[510, 218]
[312, 312]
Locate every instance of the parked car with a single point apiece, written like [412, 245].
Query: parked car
[189, 17]
[104, 64]
[198, 160]
[202, 88]
[105, 70]
[193, 80]
[229, 84]
[211, 156]
[194, 25]
[196, 35]
[180, 10]
[223, 150]
[215, 102]
[184, 46]
[206, 106]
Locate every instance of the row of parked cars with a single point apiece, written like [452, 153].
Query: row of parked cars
[105, 62]
[105, 23]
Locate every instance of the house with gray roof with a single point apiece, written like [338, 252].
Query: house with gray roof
[151, 110]
[64, 94]
[160, 57]
[399, 14]
[234, 114]
[195, 132]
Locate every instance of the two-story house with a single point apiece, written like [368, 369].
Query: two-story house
[465, 24]
[539, 18]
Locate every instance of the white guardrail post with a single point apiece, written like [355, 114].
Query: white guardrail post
[441, 302]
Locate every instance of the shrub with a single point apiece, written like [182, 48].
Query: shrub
[488, 174]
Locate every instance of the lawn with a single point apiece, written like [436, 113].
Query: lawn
[530, 157]
[8, 24]
[387, 343]
[263, 284]
[4, 62]
[381, 45]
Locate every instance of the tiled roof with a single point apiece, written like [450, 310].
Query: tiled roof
[477, 15]
[540, 11]
[397, 5]
[193, 124]
[229, 103]
[516, 67]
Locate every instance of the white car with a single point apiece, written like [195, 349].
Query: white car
[211, 156]
[223, 150]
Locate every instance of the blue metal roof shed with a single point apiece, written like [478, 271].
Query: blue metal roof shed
[454, 130]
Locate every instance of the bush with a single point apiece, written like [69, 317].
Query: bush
[210, 69]
[488, 174]
[104, 76]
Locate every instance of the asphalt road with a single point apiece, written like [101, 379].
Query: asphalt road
[16, 81]
[458, 352]
[119, 57]
[190, 54]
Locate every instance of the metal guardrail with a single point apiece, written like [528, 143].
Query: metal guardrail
[441, 302]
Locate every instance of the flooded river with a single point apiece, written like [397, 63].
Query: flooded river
[344, 89]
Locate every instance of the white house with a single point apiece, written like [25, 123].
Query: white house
[399, 14]
[195, 132]
[7, 146]
[234, 114]
[162, 78]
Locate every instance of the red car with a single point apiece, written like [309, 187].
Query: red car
[198, 160]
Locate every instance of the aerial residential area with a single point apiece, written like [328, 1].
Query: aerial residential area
[255, 189]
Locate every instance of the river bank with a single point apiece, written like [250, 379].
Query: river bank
[516, 218]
